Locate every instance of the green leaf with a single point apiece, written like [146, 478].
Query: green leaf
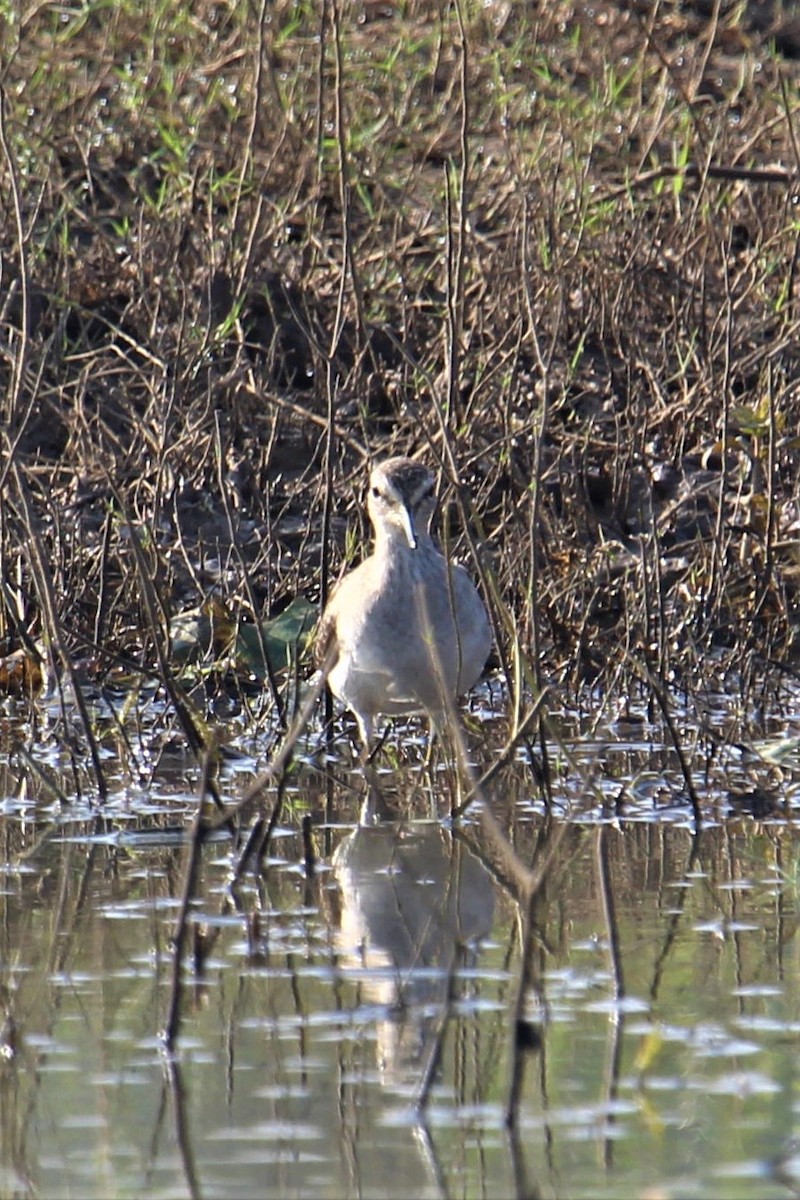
[281, 639]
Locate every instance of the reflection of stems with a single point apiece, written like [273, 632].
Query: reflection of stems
[196, 836]
[618, 1017]
[178, 1094]
[523, 1189]
[518, 1043]
[435, 1055]
[22, 1068]
[249, 850]
[528, 888]
[609, 910]
[258, 840]
[422, 1136]
[158, 1124]
[678, 904]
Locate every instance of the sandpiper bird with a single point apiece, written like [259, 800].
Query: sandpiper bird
[406, 631]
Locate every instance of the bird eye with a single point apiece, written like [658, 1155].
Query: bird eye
[375, 492]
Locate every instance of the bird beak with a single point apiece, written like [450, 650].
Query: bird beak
[408, 527]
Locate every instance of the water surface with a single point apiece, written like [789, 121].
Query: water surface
[368, 1030]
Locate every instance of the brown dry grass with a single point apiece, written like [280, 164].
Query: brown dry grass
[551, 248]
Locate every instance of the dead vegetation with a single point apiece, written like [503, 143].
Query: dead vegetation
[551, 248]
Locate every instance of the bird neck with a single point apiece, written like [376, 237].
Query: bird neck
[392, 542]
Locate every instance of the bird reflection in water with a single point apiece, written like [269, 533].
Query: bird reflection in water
[414, 904]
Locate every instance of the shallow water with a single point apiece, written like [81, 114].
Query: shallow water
[352, 1033]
